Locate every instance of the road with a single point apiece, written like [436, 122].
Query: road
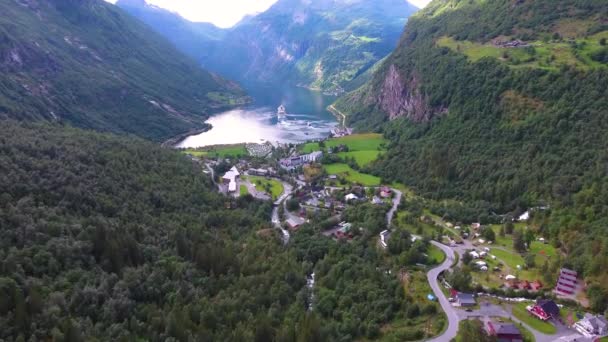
[287, 190]
[450, 311]
[455, 315]
[396, 202]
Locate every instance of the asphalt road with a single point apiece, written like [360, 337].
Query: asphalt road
[450, 311]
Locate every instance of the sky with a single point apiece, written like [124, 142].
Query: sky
[224, 13]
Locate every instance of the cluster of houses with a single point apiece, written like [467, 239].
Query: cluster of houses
[517, 284]
[338, 132]
[509, 44]
[592, 326]
[295, 162]
[589, 326]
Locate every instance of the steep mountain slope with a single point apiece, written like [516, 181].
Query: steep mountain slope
[106, 238]
[89, 64]
[189, 37]
[504, 103]
[321, 44]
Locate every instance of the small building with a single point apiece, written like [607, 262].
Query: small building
[524, 217]
[506, 332]
[481, 263]
[536, 285]
[232, 175]
[591, 326]
[294, 222]
[386, 192]
[351, 197]
[259, 172]
[332, 177]
[474, 254]
[232, 186]
[476, 225]
[384, 238]
[377, 201]
[566, 283]
[544, 309]
[465, 299]
[312, 157]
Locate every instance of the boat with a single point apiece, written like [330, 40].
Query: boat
[281, 111]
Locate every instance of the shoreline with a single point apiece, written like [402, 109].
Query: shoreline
[173, 142]
[337, 114]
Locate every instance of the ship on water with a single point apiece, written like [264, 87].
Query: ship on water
[281, 111]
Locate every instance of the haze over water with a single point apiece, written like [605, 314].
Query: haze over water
[307, 118]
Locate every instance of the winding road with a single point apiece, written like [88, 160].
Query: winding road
[450, 311]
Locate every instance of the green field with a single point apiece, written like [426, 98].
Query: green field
[219, 151]
[362, 158]
[436, 254]
[243, 190]
[352, 175]
[519, 311]
[261, 184]
[355, 142]
[546, 55]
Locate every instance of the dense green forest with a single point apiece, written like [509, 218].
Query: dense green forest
[114, 238]
[498, 133]
[90, 64]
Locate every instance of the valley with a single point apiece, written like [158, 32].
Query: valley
[323, 170]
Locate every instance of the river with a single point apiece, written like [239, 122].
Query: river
[307, 118]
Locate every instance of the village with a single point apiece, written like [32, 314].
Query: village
[320, 181]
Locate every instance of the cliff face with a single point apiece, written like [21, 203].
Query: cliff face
[403, 98]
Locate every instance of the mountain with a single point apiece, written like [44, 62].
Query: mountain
[501, 105]
[89, 64]
[189, 37]
[322, 44]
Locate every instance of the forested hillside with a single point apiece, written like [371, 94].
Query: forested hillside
[89, 64]
[189, 37]
[320, 44]
[503, 105]
[110, 238]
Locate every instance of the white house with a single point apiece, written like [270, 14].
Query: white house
[232, 175]
[312, 157]
[592, 326]
[474, 254]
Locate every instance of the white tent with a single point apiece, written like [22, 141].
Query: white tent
[510, 277]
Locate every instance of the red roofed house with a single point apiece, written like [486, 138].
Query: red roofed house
[385, 192]
[536, 285]
[544, 309]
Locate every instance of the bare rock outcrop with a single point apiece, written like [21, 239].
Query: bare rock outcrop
[402, 98]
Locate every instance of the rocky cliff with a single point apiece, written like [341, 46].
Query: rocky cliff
[402, 97]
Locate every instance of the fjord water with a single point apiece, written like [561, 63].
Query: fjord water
[307, 118]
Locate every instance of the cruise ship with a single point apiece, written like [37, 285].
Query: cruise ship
[281, 111]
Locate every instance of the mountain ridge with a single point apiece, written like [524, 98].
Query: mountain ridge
[318, 44]
[89, 64]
